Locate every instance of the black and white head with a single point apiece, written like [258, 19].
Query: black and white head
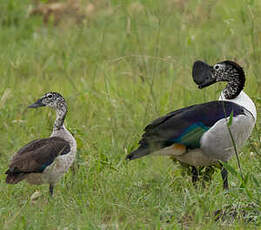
[55, 101]
[51, 99]
[228, 71]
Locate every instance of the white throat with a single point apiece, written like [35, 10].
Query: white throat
[243, 100]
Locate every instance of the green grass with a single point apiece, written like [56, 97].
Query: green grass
[120, 69]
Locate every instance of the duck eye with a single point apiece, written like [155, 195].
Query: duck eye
[216, 67]
[50, 96]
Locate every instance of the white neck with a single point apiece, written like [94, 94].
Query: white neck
[65, 134]
[243, 100]
[60, 116]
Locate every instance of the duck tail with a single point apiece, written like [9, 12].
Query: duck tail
[140, 152]
[14, 178]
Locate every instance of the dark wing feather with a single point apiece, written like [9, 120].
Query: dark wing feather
[162, 119]
[190, 122]
[37, 155]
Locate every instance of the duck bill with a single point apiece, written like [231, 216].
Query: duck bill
[206, 83]
[37, 104]
[202, 74]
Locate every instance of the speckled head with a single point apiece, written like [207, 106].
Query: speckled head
[55, 101]
[51, 99]
[228, 71]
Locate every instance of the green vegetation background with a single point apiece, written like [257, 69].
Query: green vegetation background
[123, 65]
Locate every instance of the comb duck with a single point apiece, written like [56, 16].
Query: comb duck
[198, 135]
[45, 161]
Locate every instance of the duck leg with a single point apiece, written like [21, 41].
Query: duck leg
[224, 177]
[194, 175]
[208, 173]
[51, 189]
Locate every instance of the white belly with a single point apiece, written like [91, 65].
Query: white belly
[193, 157]
[53, 173]
[217, 143]
[196, 157]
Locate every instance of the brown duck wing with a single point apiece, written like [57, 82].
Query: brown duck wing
[35, 157]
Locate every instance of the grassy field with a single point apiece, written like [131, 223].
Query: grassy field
[122, 66]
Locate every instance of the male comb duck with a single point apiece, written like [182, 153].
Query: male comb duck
[199, 135]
